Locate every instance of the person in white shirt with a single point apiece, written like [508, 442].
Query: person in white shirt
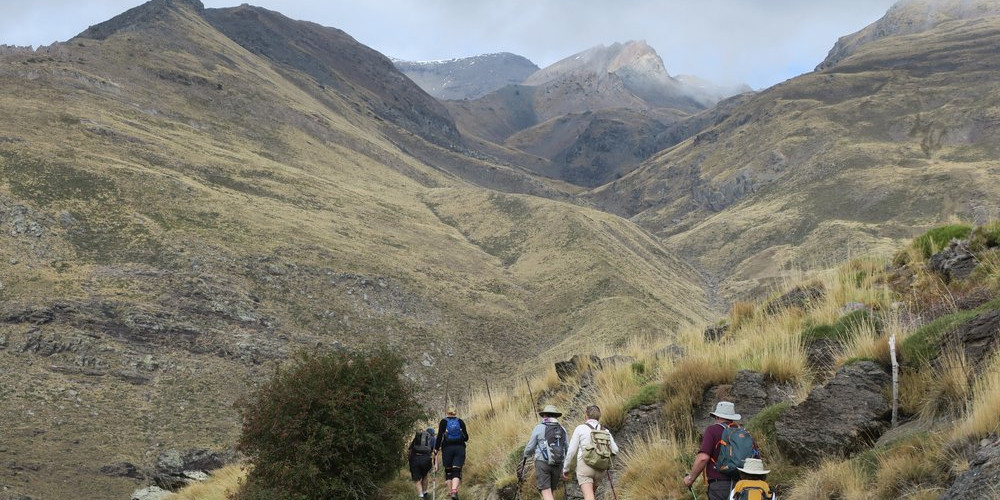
[587, 477]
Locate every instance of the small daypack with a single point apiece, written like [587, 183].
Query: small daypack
[422, 443]
[597, 453]
[753, 493]
[735, 446]
[453, 430]
[554, 444]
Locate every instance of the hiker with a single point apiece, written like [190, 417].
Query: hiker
[421, 459]
[753, 482]
[583, 442]
[548, 444]
[451, 439]
[719, 483]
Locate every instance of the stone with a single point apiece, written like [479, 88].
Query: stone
[799, 296]
[567, 369]
[122, 469]
[983, 474]
[844, 416]
[955, 262]
[150, 493]
[978, 337]
[715, 333]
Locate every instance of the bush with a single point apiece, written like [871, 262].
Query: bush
[934, 240]
[647, 395]
[332, 425]
[844, 327]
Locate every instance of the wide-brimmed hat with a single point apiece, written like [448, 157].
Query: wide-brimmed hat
[753, 466]
[452, 410]
[550, 410]
[726, 410]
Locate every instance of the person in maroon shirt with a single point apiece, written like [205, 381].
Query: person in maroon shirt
[719, 484]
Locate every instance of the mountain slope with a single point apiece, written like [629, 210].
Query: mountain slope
[468, 77]
[180, 212]
[591, 117]
[898, 136]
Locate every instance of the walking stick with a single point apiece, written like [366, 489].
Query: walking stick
[610, 482]
[693, 494]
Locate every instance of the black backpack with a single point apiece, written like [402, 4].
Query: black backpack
[554, 445]
[422, 443]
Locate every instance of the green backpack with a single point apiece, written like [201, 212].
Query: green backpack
[597, 454]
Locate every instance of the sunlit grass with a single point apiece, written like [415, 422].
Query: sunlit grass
[219, 486]
[654, 467]
[832, 480]
[981, 417]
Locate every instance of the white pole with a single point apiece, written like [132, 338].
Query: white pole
[895, 380]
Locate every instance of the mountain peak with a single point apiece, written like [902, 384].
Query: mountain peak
[139, 17]
[907, 17]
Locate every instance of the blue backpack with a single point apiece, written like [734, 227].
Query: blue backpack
[735, 446]
[453, 430]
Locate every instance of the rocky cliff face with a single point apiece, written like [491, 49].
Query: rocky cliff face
[468, 77]
[908, 17]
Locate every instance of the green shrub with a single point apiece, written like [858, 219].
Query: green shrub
[934, 240]
[763, 423]
[843, 328]
[923, 345]
[648, 394]
[331, 425]
[985, 237]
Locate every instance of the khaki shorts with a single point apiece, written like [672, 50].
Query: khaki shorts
[585, 474]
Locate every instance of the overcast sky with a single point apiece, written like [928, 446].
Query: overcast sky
[759, 42]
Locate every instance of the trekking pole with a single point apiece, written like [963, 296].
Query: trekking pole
[612, 484]
[488, 394]
[693, 494]
[532, 406]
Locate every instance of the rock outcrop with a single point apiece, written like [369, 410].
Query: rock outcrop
[838, 419]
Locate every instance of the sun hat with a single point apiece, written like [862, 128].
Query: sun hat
[726, 410]
[550, 410]
[753, 466]
[452, 410]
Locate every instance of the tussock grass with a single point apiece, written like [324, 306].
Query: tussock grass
[615, 387]
[222, 483]
[866, 340]
[654, 468]
[948, 388]
[911, 469]
[981, 416]
[832, 480]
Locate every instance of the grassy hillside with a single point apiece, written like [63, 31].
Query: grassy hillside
[947, 402]
[179, 214]
[855, 158]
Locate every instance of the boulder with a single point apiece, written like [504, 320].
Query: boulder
[715, 333]
[843, 417]
[979, 338]
[122, 469]
[799, 296]
[150, 493]
[983, 474]
[750, 392]
[955, 262]
[568, 369]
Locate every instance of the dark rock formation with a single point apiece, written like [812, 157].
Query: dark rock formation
[840, 418]
[955, 262]
[567, 369]
[979, 338]
[799, 296]
[983, 474]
